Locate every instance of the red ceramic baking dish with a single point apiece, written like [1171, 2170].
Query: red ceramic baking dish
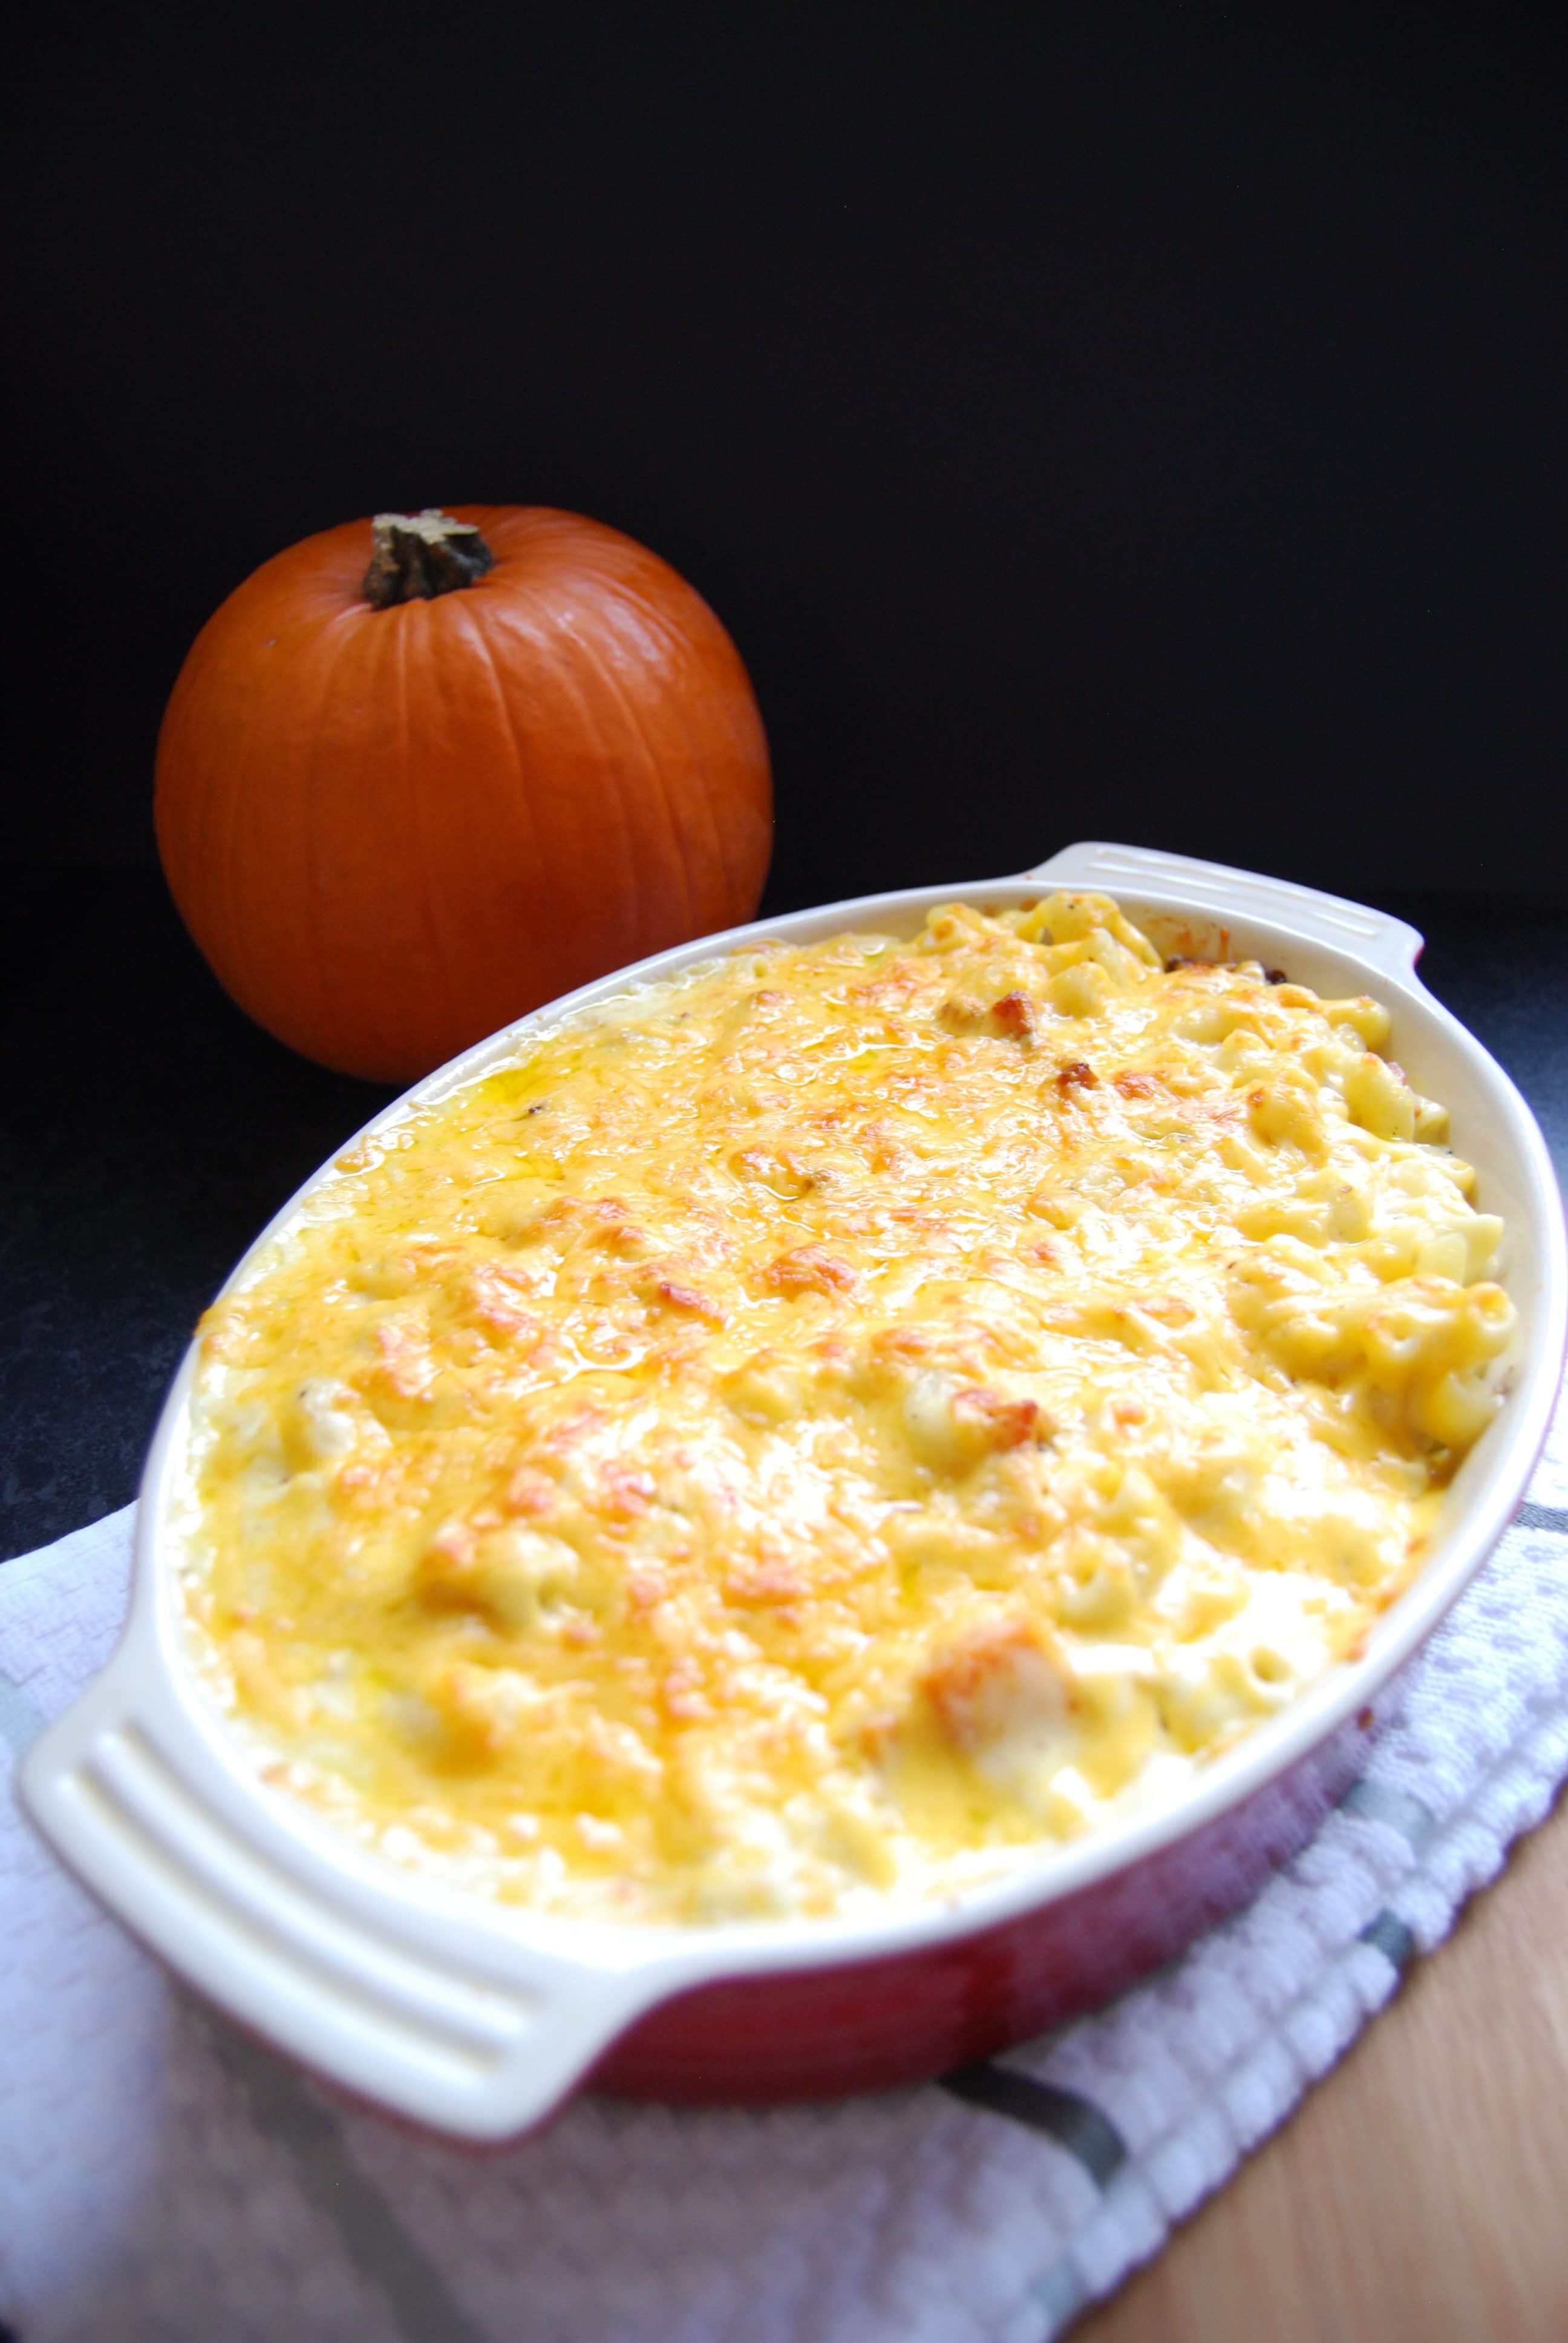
[478, 2018]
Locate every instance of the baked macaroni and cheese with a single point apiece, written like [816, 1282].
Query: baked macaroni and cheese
[807, 1432]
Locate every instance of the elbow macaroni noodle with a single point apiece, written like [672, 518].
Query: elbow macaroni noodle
[809, 1432]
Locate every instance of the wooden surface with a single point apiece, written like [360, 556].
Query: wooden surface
[1421, 2190]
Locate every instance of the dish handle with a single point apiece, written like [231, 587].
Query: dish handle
[1389, 943]
[467, 2029]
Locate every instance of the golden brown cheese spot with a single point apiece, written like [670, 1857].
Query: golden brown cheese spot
[1015, 1015]
[676, 1296]
[996, 1690]
[1010, 1016]
[809, 1432]
[807, 1269]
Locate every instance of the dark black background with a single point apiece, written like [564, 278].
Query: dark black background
[1131, 422]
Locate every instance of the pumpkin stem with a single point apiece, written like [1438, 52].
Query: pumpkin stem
[420, 555]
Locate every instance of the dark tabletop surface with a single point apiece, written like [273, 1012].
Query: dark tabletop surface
[148, 1130]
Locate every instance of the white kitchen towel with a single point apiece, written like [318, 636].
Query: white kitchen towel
[162, 2176]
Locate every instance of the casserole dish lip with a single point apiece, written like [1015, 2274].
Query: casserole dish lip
[606, 1974]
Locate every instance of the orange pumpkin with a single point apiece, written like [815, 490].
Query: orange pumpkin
[418, 775]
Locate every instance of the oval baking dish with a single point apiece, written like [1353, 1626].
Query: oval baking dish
[478, 2018]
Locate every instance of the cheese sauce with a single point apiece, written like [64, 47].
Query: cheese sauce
[809, 1431]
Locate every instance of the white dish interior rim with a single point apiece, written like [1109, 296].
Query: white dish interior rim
[655, 1962]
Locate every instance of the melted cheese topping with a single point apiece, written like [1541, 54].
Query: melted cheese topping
[811, 1430]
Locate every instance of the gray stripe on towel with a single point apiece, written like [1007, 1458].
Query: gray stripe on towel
[1059, 2296]
[1073, 2122]
[20, 1721]
[389, 2257]
[1392, 1939]
[1542, 1517]
[1380, 1802]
